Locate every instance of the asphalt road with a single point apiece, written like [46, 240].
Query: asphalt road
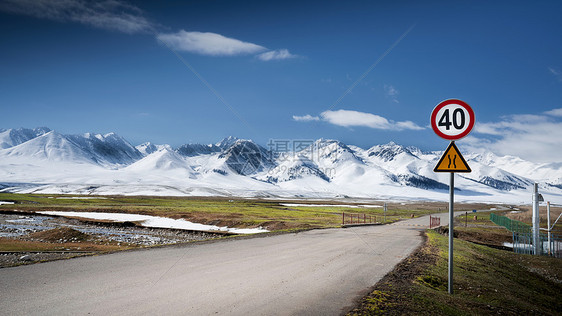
[318, 272]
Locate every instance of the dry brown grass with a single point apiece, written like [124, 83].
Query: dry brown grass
[526, 216]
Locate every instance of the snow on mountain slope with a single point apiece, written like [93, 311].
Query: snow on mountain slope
[403, 166]
[108, 149]
[550, 172]
[45, 161]
[148, 148]
[245, 157]
[162, 159]
[291, 166]
[227, 142]
[51, 146]
[190, 150]
[496, 178]
[332, 153]
[14, 137]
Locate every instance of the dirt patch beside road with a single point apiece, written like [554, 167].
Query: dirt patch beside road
[28, 238]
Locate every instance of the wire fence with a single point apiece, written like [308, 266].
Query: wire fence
[511, 224]
[523, 237]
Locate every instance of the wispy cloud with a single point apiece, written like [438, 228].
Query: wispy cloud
[557, 73]
[554, 112]
[207, 43]
[279, 54]
[392, 93]
[306, 118]
[347, 118]
[110, 15]
[118, 15]
[534, 137]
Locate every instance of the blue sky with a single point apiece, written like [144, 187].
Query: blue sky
[363, 72]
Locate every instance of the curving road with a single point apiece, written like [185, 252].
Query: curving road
[318, 272]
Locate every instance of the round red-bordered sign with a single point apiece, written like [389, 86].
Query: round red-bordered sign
[452, 119]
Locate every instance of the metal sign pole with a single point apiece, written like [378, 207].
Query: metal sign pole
[451, 211]
[452, 120]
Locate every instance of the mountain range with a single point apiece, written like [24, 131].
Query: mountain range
[41, 160]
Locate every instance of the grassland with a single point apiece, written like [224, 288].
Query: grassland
[232, 212]
[486, 280]
[478, 228]
[526, 214]
[242, 213]
[216, 211]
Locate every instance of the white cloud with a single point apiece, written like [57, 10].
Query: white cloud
[557, 73]
[347, 118]
[117, 15]
[279, 54]
[487, 128]
[555, 112]
[531, 137]
[305, 118]
[408, 125]
[110, 15]
[206, 43]
[392, 93]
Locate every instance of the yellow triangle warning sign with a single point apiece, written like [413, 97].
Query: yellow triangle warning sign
[452, 161]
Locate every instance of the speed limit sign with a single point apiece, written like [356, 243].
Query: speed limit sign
[452, 119]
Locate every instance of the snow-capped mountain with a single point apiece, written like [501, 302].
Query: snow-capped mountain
[227, 142]
[147, 148]
[13, 137]
[41, 160]
[246, 157]
[105, 150]
[108, 149]
[190, 150]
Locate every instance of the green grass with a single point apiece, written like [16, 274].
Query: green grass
[486, 281]
[481, 230]
[222, 211]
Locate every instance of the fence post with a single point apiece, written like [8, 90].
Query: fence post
[536, 239]
[548, 227]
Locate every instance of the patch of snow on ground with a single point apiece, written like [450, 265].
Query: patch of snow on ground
[5, 203]
[154, 221]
